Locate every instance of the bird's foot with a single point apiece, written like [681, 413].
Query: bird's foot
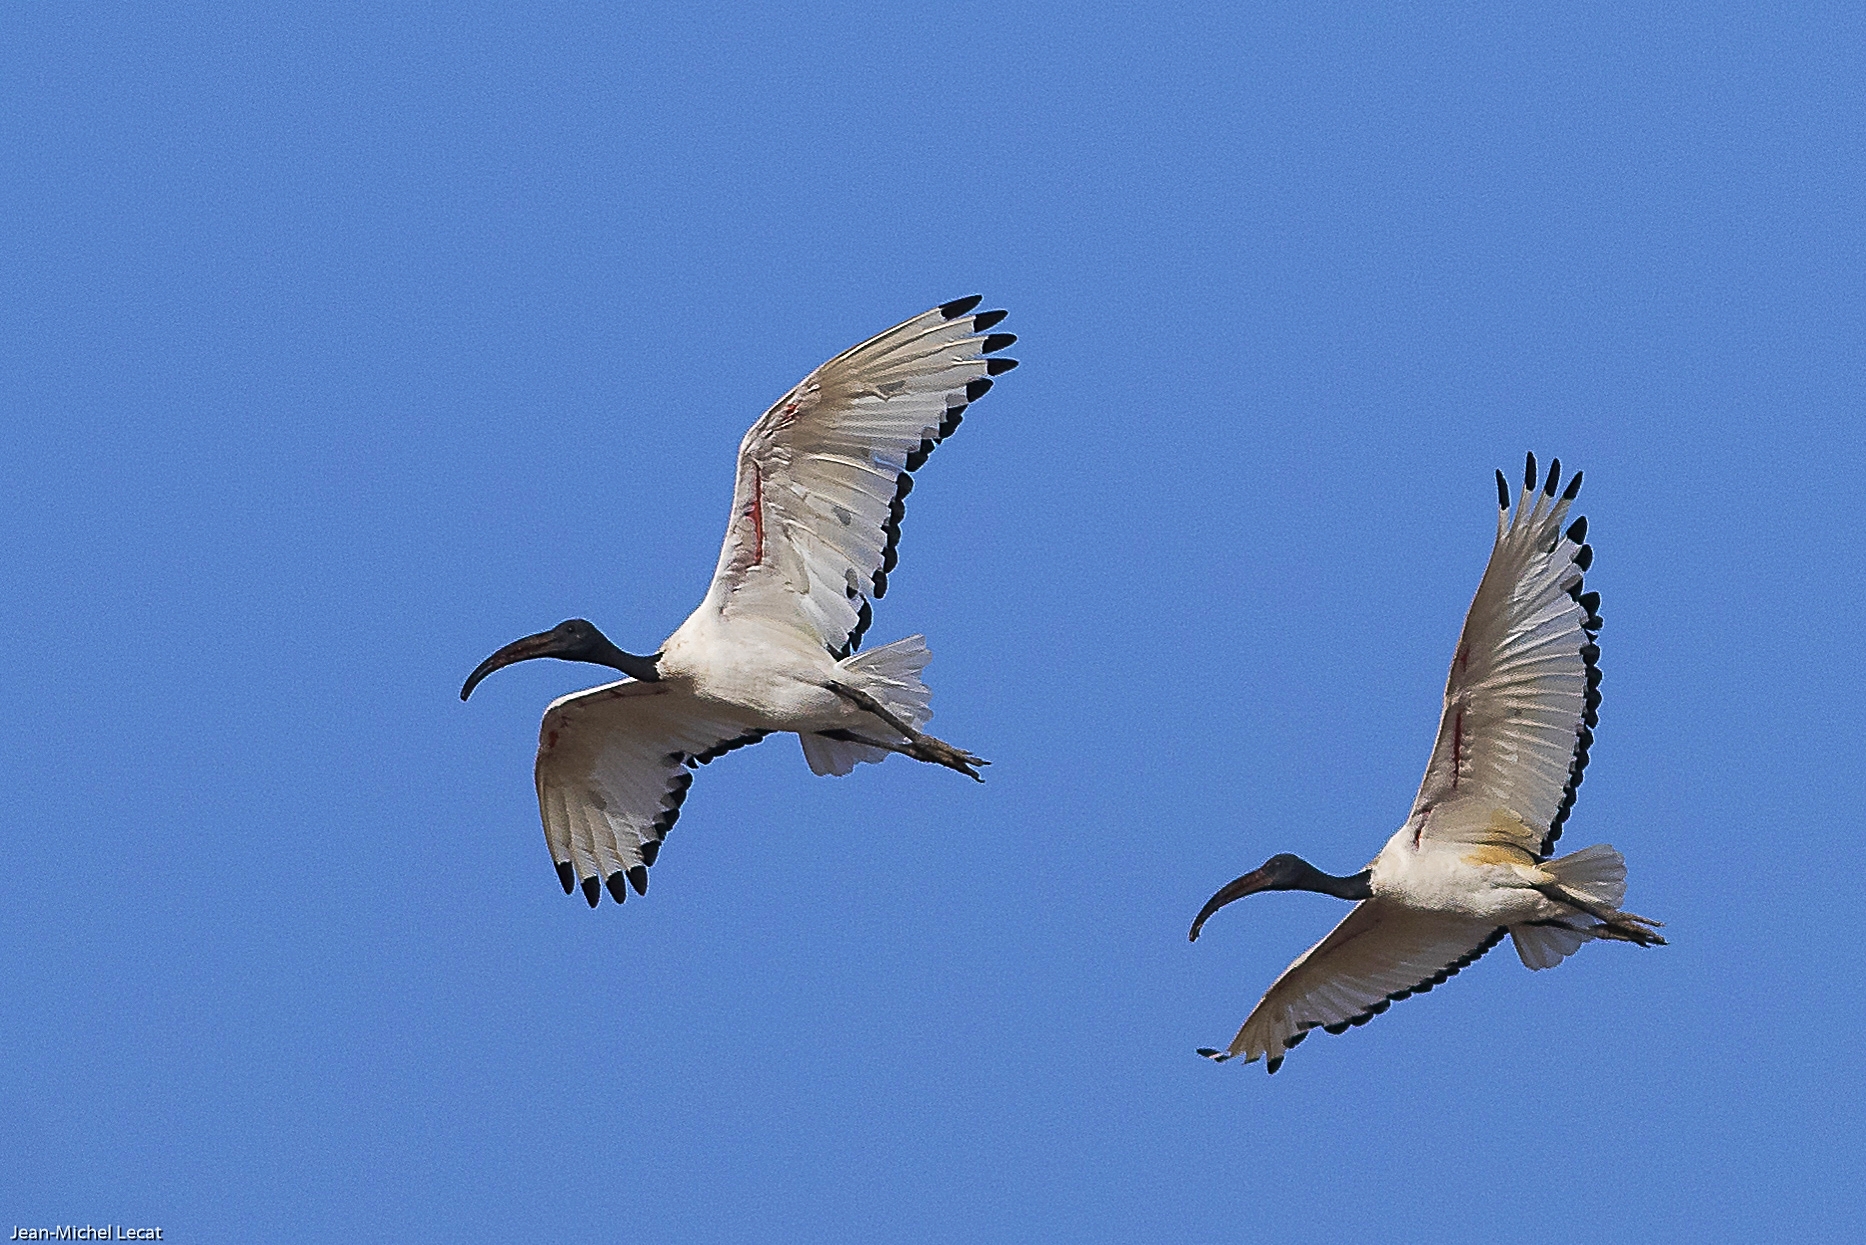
[939, 752]
[1627, 927]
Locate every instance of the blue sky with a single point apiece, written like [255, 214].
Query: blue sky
[340, 346]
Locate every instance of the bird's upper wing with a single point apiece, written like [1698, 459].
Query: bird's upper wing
[1380, 953]
[1524, 688]
[613, 768]
[824, 474]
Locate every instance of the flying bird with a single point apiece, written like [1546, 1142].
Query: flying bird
[823, 478]
[1471, 864]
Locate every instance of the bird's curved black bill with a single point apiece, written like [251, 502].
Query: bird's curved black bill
[1252, 882]
[544, 644]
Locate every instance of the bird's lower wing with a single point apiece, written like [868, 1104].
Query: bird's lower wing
[614, 765]
[1380, 953]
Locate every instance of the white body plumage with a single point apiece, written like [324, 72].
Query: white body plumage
[1491, 885]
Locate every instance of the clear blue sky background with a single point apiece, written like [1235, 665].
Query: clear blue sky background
[339, 347]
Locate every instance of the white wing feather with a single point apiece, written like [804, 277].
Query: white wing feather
[823, 475]
[1521, 698]
[613, 767]
[1380, 953]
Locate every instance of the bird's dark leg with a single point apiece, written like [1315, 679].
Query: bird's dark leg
[918, 746]
[862, 700]
[1614, 924]
[1630, 928]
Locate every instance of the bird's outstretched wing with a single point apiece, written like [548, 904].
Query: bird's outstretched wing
[1380, 953]
[614, 765]
[824, 475]
[1524, 688]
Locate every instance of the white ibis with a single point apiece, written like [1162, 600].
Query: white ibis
[1472, 864]
[822, 481]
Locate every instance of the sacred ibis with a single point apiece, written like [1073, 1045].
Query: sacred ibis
[823, 477]
[1472, 864]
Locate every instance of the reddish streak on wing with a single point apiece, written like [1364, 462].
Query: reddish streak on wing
[758, 515]
[550, 741]
[1457, 747]
[1464, 657]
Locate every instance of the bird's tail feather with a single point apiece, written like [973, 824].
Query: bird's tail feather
[891, 674]
[1548, 944]
[1596, 875]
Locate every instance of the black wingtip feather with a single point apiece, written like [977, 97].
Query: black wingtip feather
[1529, 472]
[1503, 491]
[1584, 556]
[1574, 488]
[976, 389]
[959, 306]
[1584, 737]
[638, 878]
[678, 791]
[1554, 477]
[996, 342]
[592, 891]
[650, 851]
[1577, 531]
[996, 367]
[617, 891]
[986, 319]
